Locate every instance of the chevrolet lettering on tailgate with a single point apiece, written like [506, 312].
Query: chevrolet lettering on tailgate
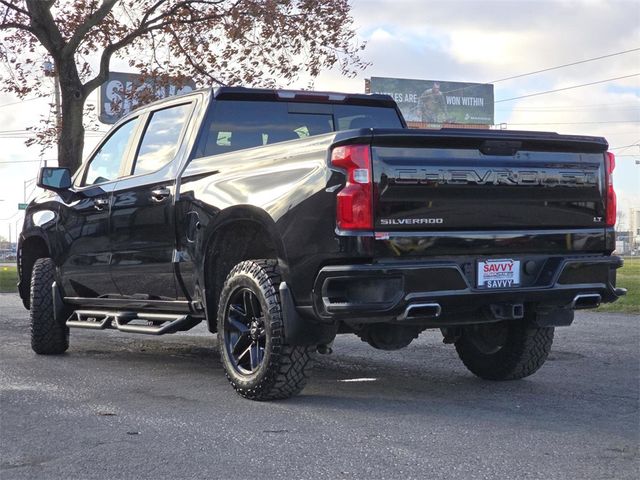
[511, 176]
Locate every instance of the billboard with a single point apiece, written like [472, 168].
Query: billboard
[118, 95]
[433, 102]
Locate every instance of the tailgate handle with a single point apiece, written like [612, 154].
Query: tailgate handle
[500, 147]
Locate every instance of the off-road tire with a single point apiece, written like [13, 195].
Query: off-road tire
[285, 369]
[523, 352]
[48, 336]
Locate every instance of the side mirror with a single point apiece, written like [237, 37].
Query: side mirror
[54, 178]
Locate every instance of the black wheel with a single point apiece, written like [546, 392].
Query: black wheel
[257, 361]
[48, 337]
[505, 350]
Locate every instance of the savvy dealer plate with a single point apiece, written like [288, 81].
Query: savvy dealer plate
[499, 273]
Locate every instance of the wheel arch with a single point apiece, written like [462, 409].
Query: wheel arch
[31, 249]
[239, 233]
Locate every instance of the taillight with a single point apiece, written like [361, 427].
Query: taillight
[610, 218]
[354, 202]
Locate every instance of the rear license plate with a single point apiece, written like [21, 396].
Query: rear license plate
[499, 273]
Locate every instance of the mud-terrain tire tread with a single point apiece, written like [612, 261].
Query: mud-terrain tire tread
[48, 337]
[289, 365]
[525, 351]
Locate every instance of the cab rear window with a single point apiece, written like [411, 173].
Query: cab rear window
[234, 125]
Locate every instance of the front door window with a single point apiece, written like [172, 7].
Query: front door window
[105, 164]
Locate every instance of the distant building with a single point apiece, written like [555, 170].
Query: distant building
[634, 228]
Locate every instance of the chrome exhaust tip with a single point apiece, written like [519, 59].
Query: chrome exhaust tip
[586, 300]
[421, 310]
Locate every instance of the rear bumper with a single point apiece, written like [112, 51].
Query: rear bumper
[444, 291]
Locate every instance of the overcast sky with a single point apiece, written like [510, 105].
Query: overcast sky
[468, 41]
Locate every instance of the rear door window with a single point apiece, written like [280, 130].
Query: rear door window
[161, 138]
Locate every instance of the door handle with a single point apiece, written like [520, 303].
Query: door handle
[100, 203]
[160, 194]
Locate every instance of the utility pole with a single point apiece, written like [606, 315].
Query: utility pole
[17, 229]
[25, 184]
[51, 71]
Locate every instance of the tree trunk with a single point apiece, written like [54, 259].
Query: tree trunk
[71, 134]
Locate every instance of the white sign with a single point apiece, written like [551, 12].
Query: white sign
[500, 273]
[114, 103]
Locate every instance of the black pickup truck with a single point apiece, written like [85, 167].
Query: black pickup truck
[283, 218]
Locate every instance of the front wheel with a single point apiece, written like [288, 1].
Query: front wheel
[504, 351]
[257, 361]
[48, 335]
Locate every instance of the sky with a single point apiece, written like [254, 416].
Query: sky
[454, 40]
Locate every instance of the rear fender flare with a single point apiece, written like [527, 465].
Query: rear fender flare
[251, 214]
[210, 234]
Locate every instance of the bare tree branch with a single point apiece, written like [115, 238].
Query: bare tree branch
[152, 9]
[11, 23]
[103, 73]
[180, 5]
[14, 7]
[105, 58]
[14, 25]
[90, 22]
[44, 27]
[195, 65]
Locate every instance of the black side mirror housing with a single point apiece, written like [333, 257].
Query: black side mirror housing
[54, 178]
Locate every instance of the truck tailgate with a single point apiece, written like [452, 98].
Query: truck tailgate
[455, 179]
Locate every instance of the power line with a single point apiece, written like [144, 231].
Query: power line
[9, 218]
[25, 161]
[567, 88]
[546, 69]
[22, 101]
[24, 130]
[588, 105]
[626, 132]
[575, 123]
[18, 135]
[624, 147]
[17, 161]
[565, 65]
[576, 109]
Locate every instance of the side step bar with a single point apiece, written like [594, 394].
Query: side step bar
[129, 322]
[94, 319]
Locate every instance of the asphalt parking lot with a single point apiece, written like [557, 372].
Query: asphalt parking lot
[138, 407]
